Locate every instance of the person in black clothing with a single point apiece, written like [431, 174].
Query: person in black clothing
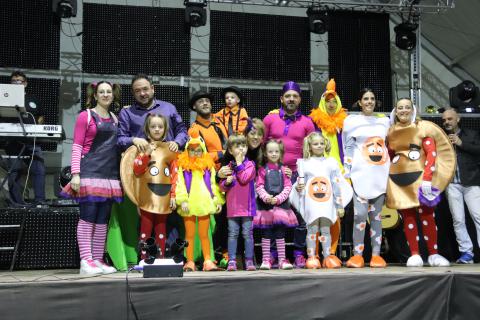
[34, 115]
[465, 185]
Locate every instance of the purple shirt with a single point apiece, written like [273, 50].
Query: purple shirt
[292, 138]
[131, 122]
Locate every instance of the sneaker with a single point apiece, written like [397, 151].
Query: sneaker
[436, 260]
[465, 258]
[249, 265]
[415, 261]
[106, 269]
[266, 265]
[88, 267]
[232, 265]
[300, 261]
[284, 264]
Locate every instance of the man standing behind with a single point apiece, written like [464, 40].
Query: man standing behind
[34, 115]
[291, 126]
[466, 182]
[132, 118]
[122, 233]
[207, 126]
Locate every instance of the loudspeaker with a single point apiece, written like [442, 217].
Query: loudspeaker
[49, 239]
[163, 271]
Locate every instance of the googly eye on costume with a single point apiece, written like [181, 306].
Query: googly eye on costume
[396, 158]
[166, 171]
[414, 155]
[153, 171]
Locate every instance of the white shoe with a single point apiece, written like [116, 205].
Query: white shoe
[436, 260]
[89, 267]
[106, 269]
[415, 261]
[266, 265]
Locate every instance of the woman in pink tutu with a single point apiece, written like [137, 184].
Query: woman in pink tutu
[273, 210]
[95, 180]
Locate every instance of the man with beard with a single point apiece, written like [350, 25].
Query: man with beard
[207, 126]
[122, 231]
[132, 118]
[465, 185]
[291, 126]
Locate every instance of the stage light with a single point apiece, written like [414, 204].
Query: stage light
[65, 8]
[150, 248]
[176, 250]
[195, 12]
[318, 20]
[405, 37]
[465, 97]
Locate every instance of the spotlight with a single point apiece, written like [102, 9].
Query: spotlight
[150, 248]
[317, 19]
[65, 8]
[405, 37]
[176, 250]
[465, 97]
[195, 12]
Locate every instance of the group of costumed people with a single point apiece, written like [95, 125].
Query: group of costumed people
[369, 158]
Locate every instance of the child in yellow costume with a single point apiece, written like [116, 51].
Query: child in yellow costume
[329, 117]
[197, 196]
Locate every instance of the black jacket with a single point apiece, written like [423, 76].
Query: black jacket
[468, 157]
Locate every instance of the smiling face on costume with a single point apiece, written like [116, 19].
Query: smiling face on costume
[320, 189]
[374, 151]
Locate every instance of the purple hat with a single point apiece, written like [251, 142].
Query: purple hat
[291, 85]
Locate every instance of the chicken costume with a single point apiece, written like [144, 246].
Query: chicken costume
[331, 127]
[421, 152]
[148, 181]
[197, 187]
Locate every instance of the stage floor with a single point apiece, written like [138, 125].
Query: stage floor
[396, 292]
[29, 276]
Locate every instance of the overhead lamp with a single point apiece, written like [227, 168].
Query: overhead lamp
[405, 37]
[195, 12]
[65, 8]
[317, 19]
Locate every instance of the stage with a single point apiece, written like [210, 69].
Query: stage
[396, 292]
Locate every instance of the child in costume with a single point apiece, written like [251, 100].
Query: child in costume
[320, 196]
[159, 161]
[95, 180]
[366, 163]
[329, 117]
[423, 163]
[241, 208]
[198, 196]
[274, 213]
[233, 118]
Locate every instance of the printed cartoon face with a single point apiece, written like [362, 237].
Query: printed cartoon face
[320, 189]
[150, 190]
[374, 151]
[405, 169]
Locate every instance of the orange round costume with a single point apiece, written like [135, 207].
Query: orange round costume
[408, 164]
[423, 154]
[150, 190]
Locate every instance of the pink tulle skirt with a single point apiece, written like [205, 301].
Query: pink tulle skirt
[275, 216]
[95, 190]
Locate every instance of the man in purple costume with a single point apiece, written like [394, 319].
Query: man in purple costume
[291, 126]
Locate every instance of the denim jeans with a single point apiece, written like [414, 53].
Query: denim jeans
[456, 194]
[234, 224]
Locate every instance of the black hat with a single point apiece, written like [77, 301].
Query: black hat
[236, 90]
[198, 95]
